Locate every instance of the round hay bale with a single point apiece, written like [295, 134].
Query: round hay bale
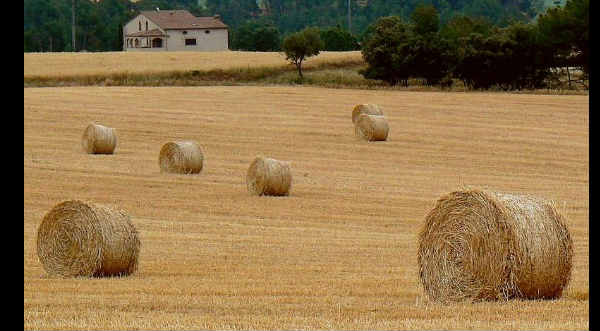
[372, 127]
[99, 139]
[267, 176]
[182, 157]
[479, 245]
[77, 238]
[365, 108]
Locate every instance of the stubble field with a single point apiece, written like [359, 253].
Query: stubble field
[106, 63]
[340, 252]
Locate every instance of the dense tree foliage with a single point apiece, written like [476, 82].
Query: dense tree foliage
[98, 26]
[385, 49]
[565, 33]
[256, 35]
[475, 51]
[338, 39]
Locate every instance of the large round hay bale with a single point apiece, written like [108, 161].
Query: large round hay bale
[268, 176]
[365, 108]
[372, 127]
[77, 238]
[99, 139]
[181, 157]
[480, 245]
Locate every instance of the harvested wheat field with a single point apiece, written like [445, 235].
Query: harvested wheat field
[340, 250]
[102, 63]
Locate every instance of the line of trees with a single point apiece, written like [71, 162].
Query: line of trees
[98, 24]
[48, 24]
[432, 44]
[480, 54]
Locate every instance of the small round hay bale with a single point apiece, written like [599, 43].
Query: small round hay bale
[479, 245]
[268, 176]
[99, 139]
[76, 238]
[365, 108]
[181, 157]
[372, 127]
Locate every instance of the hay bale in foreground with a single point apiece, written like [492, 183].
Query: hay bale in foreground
[182, 157]
[76, 238]
[268, 176]
[99, 139]
[479, 245]
[372, 127]
[365, 108]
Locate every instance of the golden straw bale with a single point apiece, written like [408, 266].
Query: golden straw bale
[268, 176]
[78, 238]
[182, 157]
[372, 127]
[99, 139]
[365, 108]
[480, 245]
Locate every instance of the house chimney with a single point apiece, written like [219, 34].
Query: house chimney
[217, 17]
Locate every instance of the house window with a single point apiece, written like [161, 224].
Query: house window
[157, 43]
[146, 25]
[140, 26]
[207, 31]
[184, 32]
[190, 42]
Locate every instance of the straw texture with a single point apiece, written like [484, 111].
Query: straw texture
[181, 157]
[268, 176]
[480, 245]
[78, 238]
[372, 127]
[99, 139]
[365, 108]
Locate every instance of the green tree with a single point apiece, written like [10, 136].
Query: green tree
[338, 39]
[233, 12]
[430, 58]
[461, 26]
[256, 35]
[426, 20]
[302, 45]
[386, 50]
[565, 33]
[528, 62]
[486, 61]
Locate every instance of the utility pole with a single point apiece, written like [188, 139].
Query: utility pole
[73, 25]
[349, 18]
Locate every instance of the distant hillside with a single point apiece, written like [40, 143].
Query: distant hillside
[48, 23]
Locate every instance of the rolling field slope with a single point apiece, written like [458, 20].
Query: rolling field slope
[340, 252]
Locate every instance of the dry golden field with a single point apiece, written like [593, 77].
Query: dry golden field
[340, 252]
[101, 63]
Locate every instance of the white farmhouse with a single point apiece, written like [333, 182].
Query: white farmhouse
[174, 30]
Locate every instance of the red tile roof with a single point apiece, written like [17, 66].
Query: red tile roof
[182, 19]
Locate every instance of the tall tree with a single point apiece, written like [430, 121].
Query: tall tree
[566, 31]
